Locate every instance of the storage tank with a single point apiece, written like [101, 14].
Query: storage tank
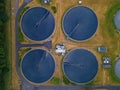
[117, 68]
[117, 20]
[37, 66]
[80, 23]
[80, 66]
[38, 24]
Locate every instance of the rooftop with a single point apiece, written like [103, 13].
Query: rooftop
[60, 49]
[106, 62]
[102, 49]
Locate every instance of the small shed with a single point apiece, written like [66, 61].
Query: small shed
[106, 62]
[102, 49]
[60, 49]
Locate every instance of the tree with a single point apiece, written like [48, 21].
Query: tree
[54, 9]
[5, 70]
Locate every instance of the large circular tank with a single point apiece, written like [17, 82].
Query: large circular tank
[80, 66]
[38, 66]
[38, 23]
[80, 23]
[117, 68]
[117, 19]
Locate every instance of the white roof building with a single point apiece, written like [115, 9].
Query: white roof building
[60, 49]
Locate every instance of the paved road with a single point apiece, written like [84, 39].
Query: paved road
[47, 44]
[24, 83]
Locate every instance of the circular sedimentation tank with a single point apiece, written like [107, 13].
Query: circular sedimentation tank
[80, 23]
[117, 68]
[38, 24]
[80, 66]
[117, 19]
[38, 66]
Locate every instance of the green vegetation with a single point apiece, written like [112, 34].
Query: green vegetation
[19, 61]
[54, 9]
[4, 67]
[21, 53]
[90, 83]
[111, 33]
[55, 81]
[109, 24]
[22, 12]
[114, 78]
[3, 14]
[20, 35]
[65, 80]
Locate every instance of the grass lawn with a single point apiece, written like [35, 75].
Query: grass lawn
[56, 81]
[54, 9]
[22, 53]
[20, 35]
[66, 81]
[110, 27]
[111, 36]
[114, 78]
[22, 12]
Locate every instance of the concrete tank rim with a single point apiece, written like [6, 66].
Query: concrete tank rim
[63, 24]
[30, 38]
[68, 77]
[33, 83]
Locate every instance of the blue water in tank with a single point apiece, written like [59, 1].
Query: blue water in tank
[38, 66]
[80, 66]
[38, 23]
[80, 23]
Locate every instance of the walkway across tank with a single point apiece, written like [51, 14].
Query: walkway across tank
[80, 66]
[117, 68]
[38, 24]
[80, 23]
[38, 66]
